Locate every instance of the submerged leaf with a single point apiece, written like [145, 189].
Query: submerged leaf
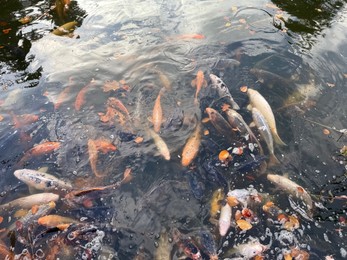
[243, 224]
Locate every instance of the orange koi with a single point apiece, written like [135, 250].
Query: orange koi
[84, 197]
[5, 252]
[191, 148]
[93, 157]
[40, 149]
[164, 80]
[93, 147]
[51, 221]
[104, 146]
[127, 175]
[117, 104]
[157, 116]
[63, 96]
[198, 82]
[20, 121]
[80, 99]
[191, 36]
[108, 116]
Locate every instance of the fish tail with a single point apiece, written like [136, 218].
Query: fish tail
[235, 105]
[278, 140]
[196, 101]
[273, 161]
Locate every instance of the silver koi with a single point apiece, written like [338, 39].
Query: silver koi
[41, 180]
[223, 91]
[265, 132]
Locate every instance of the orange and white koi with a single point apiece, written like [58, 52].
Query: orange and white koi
[198, 82]
[247, 250]
[31, 200]
[41, 180]
[191, 148]
[291, 188]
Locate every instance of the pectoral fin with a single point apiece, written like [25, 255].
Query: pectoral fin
[193, 83]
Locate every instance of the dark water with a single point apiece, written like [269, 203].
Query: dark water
[294, 54]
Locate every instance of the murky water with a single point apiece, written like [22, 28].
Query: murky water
[66, 90]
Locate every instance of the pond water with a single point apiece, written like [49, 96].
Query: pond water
[84, 84]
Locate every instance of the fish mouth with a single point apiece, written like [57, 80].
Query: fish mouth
[17, 173]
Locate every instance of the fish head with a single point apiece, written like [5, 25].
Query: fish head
[253, 249]
[272, 178]
[216, 81]
[192, 251]
[18, 174]
[212, 114]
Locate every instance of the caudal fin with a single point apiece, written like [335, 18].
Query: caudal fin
[278, 140]
[273, 161]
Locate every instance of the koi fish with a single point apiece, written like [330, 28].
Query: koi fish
[20, 121]
[51, 221]
[215, 202]
[80, 99]
[93, 147]
[40, 149]
[186, 244]
[161, 145]
[41, 180]
[31, 217]
[191, 148]
[31, 200]
[85, 196]
[259, 102]
[117, 104]
[208, 244]
[164, 80]
[247, 250]
[198, 82]
[93, 157]
[265, 132]
[236, 121]
[65, 28]
[221, 125]
[104, 146]
[223, 91]
[157, 115]
[224, 219]
[63, 96]
[163, 250]
[191, 36]
[5, 252]
[245, 196]
[291, 188]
